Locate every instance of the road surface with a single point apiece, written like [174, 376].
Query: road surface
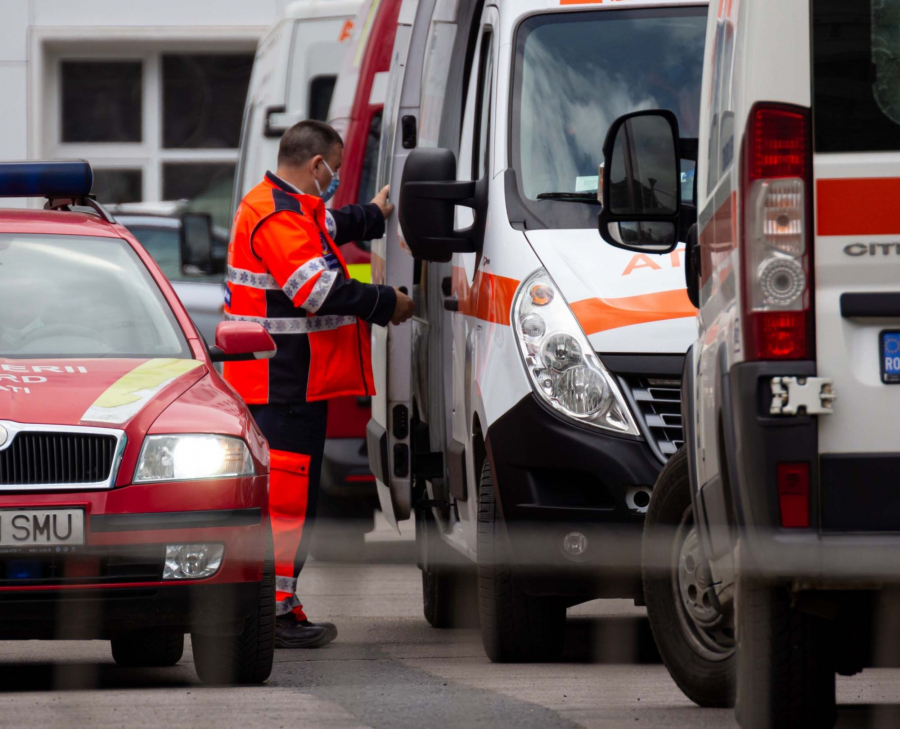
[388, 669]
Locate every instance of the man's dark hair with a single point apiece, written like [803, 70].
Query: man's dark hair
[305, 140]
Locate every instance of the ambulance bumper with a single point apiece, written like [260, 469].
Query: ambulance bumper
[555, 479]
[854, 518]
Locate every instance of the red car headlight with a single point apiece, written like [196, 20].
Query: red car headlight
[191, 457]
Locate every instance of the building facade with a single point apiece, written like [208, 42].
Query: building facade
[151, 93]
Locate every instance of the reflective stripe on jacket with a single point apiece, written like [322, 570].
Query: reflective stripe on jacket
[286, 272]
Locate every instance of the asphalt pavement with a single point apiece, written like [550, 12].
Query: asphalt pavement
[388, 669]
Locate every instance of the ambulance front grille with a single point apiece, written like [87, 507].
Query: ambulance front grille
[656, 403]
[47, 458]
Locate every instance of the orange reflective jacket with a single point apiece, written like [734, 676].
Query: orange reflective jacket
[285, 272]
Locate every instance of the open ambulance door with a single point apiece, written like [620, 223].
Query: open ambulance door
[388, 432]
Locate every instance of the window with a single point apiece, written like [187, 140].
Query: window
[575, 73]
[101, 101]
[118, 186]
[156, 124]
[321, 89]
[203, 100]
[856, 70]
[190, 180]
[163, 243]
[481, 144]
[78, 296]
[367, 176]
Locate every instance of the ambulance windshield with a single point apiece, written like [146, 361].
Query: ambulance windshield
[74, 296]
[575, 73]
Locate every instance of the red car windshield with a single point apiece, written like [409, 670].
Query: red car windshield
[68, 296]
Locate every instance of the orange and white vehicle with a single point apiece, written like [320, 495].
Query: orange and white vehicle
[528, 408]
[783, 503]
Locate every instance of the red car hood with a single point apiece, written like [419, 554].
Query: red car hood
[99, 392]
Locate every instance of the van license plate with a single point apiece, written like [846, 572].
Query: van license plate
[29, 528]
[890, 357]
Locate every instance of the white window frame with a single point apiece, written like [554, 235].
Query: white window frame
[148, 155]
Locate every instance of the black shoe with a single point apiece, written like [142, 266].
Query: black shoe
[291, 633]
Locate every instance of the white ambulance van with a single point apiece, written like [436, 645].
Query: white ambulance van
[293, 78]
[527, 410]
[782, 508]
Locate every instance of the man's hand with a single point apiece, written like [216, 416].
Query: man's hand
[405, 306]
[381, 200]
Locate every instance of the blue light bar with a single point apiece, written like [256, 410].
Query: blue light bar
[45, 179]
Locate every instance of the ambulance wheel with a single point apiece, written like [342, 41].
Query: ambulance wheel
[245, 658]
[448, 588]
[515, 627]
[148, 648]
[786, 677]
[696, 641]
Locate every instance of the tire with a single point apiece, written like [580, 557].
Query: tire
[449, 597]
[149, 648]
[245, 658]
[786, 677]
[515, 627]
[696, 642]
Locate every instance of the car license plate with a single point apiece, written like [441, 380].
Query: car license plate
[28, 528]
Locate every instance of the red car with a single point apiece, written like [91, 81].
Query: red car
[133, 481]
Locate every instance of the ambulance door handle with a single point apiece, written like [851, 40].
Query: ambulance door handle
[451, 304]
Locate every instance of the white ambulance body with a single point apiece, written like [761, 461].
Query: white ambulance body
[527, 409]
[294, 74]
[785, 498]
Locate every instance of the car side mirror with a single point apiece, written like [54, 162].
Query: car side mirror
[196, 244]
[642, 206]
[429, 194]
[240, 341]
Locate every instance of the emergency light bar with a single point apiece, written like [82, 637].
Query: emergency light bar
[71, 179]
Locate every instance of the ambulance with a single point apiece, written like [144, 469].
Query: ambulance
[526, 411]
[771, 540]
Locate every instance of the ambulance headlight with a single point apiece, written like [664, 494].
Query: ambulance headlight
[191, 457]
[563, 369]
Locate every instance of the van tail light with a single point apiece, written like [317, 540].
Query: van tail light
[776, 243]
[793, 495]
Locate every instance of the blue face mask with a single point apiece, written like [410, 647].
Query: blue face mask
[329, 191]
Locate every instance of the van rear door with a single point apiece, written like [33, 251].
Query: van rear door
[856, 118]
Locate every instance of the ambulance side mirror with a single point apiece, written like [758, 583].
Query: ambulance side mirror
[240, 341]
[429, 194]
[642, 206]
[196, 244]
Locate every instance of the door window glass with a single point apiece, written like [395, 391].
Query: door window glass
[480, 143]
[321, 89]
[856, 70]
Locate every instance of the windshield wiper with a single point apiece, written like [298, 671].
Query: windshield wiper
[582, 197]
